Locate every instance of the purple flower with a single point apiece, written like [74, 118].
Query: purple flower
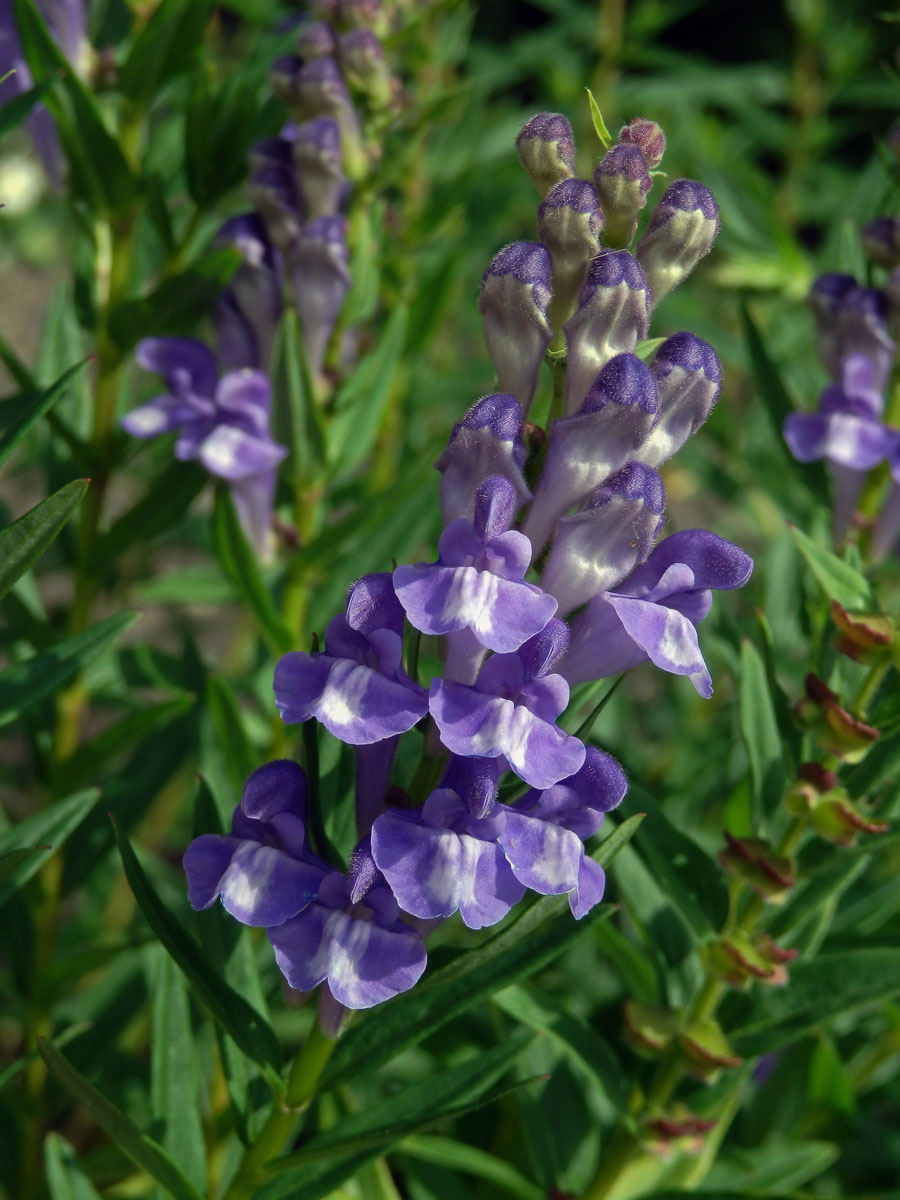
[478, 579]
[682, 228]
[249, 310]
[358, 946]
[597, 547]
[613, 315]
[515, 292]
[487, 441]
[274, 188]
[261, 870]
[546, 149]
[688, 375]
[317, 265]
[511, 710]
[586, 448]
[444, 857]
[544, 832]
[316, 152]
[654, 614]
[224, 423]
[356, 688]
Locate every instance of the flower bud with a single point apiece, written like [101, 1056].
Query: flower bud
[365, 68]
[317, 89]
[649, 1028]
[881, 241]
[647, 136]
[682, 229]
[273, 189]
[248, 312]
[826, 297]
[706, 1050]
[487, 441]
[316, 40]
[515, 292]
[612, 316]
[688, 373]
[818, 795]
[318, 267]
[739, 958]
[569, 225]
[365, 14]
[861, 330]
[317, 157]
[597, 547]
[622, 181]
[592, 444]
[866, 638]
[835, 730]
[755, 862]
[546, 149]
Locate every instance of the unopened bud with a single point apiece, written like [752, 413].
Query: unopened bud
[318, 267]
[364, 65]
[569, 225]
[754, 861]
[516, 291]
[546, 149]
[612, 317]
[316, 153]
[487, 441]
[273, 190]
[647, 136]
[248, 312]
[682, 229]
[622, 181]
[316, 40]
[365, 14]
[881, 241]
[688, 375]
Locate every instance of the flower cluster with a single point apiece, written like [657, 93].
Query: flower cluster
[548, 573]
[856, 327]
[294, 253]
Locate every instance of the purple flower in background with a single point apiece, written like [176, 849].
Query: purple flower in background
[358, 945]
[478, 580]
[274, 188]
[511, 711]
[261, 870]
[446, 857]
[317, 266]
[222, 422]
[544, 832]
[249, 310]
[316, 150]
[516, 291]
[487, 441]
[654, 613]
[356, 688]
[616, 416]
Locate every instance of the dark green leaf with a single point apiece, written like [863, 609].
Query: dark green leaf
[226, 714]
[878, 768]
[65, 1179]
[165, 47]
[220, 126]
[140, 1148]
[759, 727]
[819, 990]
[838, 580]
[241, 567]
[15, 111]
[118, 739]
[165, 504]
[40, 835]
[245, 1026]
[459, 1156]
[297, 404]
[26, 683]
[23, 542]
[33, 408]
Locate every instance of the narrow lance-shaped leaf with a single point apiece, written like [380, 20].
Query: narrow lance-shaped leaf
[837, 579]
[33, 408]
[759, 727]
[165, 47]
[245, 1026]
[141, 1149]
[23, 542]
[15, 111]
[25, 847]
[65, 1179]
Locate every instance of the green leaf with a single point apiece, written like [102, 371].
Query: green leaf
[687, 875]
[174, 1081]
[225, 710]
[141, 1149]
[178, 303]
[759, 728]
[240, 565]
[837, 579]
[878, 768]
[65, 1179]
[40, 835]
[540, 935]
[245, 1026]
[778, 1165]
[296, 402]
[821, 989]
[459, 1156]
[132, 729]
[165, 505]
[361, 402]
[165, 47]
[597, 121]
[33, 408]
[15, 111]
[220, 125]
[329, 1158]
[31, 680]
[99, 167]
[23, 542]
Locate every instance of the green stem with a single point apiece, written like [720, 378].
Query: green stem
[869, 687]
[302, 1084]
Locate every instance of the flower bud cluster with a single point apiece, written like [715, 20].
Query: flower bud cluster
[854, 428]
[540, 581]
